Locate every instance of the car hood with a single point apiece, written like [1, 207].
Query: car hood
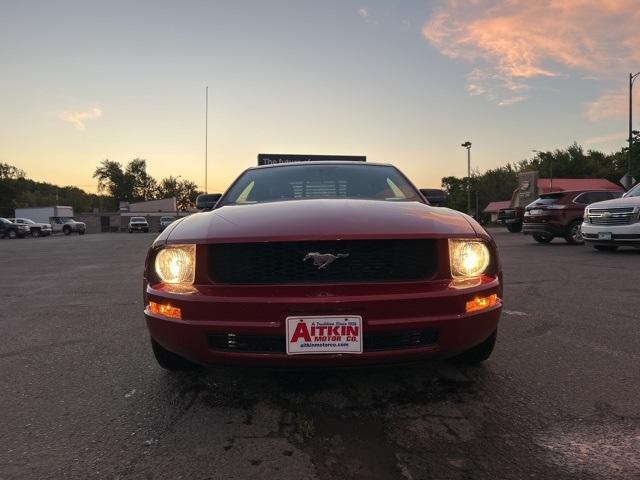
[321, 219]
[617, 202]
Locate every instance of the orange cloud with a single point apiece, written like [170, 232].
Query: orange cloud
[516, 40]
[78, 118]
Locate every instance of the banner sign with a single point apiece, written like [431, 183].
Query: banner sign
[274, 158]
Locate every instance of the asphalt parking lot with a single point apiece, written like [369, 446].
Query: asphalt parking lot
[82, 396]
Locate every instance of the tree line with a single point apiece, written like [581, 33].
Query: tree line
[572, 162]
[132, 183]
[116, 183]
[17, 191]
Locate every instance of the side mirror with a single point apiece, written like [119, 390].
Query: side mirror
[207, 201]
[434, 196]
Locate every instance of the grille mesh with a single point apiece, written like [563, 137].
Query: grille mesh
[271, 263]
[612, 216]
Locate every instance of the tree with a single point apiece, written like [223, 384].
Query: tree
[184, 191]
[10, 172]
[112, 178]
[143, 186]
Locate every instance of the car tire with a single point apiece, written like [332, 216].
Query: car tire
[606, 248]
[146, 230]
[66, 230]
[479, 353]
[13, 234]
[541, 238]
[574, 233]
[169, 360]
[514, 227]
[35, 233]
[130, 231]
[81, 232]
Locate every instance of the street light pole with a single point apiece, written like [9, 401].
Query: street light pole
[467, 145]
[632, 77]
[206, 137]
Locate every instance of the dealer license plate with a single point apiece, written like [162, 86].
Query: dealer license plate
[324, 334]
[604, 235]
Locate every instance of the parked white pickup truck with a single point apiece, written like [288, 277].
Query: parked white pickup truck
[613, 223]
[36, 229]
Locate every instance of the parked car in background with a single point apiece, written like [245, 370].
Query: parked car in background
[12, 230]
[138, 224]
[36, 229]
[613, 223]
[165, 222]
[67, 225]
[559, 214]
[511, 218]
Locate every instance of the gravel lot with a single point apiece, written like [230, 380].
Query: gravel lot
[81, 395]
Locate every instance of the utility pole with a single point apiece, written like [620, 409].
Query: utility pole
[467, 145]
[632, 77]
[206, 137]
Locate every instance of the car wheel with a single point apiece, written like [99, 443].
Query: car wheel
[66, 230]
[542, 238]
[514, 227]
[35, 233]
[574, 233]
[81, 232]
[169, 360]
[146, 230]
[479, 353]
[130, 231]
[13, 234]
[606, 248]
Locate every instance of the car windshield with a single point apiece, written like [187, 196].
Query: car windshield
[634, 192]
[300, 182]
[138, 219]
[166, 219]
[26, 220]
[4, 220]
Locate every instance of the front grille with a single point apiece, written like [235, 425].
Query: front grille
[612, 216]
[271, 263]
[270, 344]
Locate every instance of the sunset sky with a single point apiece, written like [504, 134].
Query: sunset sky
[403, 82]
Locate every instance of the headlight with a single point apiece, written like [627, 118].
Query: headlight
[468, 258]
[176, 264]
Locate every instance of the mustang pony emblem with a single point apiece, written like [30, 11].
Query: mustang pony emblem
[321, 260]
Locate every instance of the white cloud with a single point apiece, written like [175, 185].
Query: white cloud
[78, 118]
[363, 12]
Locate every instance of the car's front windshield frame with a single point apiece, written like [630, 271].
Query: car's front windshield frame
[408, 190]
[634, 192]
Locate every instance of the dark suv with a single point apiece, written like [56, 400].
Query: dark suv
[12, 230]
[559, 214]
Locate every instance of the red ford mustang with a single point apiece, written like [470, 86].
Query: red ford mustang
[322, 264]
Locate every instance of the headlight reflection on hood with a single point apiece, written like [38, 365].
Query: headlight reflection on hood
[468, 258]
[175, 264]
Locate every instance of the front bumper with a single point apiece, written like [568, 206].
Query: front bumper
[621, 235]
[260, 312]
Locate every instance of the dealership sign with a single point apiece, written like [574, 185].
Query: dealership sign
[274, 158]
[326, 334]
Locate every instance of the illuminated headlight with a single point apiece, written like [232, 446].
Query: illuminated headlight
[468, 258]
[175, 264]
